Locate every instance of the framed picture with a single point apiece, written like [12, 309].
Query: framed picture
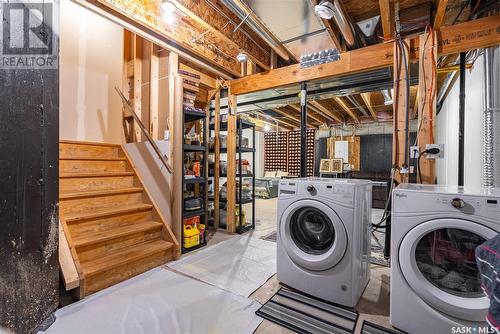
[336, 166]
[324, 166]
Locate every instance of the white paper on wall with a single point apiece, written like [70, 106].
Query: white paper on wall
[342, 150]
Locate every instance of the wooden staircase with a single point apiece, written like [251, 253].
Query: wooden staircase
[113, 229]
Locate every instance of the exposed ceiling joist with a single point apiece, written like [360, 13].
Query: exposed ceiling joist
[387, 18]
[258, 118]
[309, 115]
[331, 28]
[218, 25]
[466, 36]
[346, 108]
[367, 100]
[440, 13]
[328, 111]
[287, 115]
[274, 43]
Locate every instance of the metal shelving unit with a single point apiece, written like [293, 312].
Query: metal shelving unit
[241, 125]
[188, 117]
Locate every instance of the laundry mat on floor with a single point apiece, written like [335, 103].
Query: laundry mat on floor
[159, 301]
[239, 265]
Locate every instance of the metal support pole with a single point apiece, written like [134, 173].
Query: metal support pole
[303, 129]
[461, 121]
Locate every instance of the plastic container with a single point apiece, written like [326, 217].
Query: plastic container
[191, 236]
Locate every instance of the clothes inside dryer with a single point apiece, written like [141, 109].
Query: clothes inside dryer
[446, 259]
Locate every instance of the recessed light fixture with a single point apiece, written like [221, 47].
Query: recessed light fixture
[325, 10]
[242, 57]
[267, 128]
[168, 9]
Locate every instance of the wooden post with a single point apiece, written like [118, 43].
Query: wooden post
[154, 93]
[29, 181]
[217, 158]
[400, 144]
[138, 83]
[176, 142]
[427, 88]
[274, 60]
[231, 165]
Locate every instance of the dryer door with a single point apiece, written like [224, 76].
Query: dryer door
[313, 235]
[437, 259]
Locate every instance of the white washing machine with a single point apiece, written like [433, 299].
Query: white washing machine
[435, 285]
[324, 237]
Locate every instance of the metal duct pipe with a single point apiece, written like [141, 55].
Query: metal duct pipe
[491, 126]
[245, 14]
[357, 105]
[345, 27]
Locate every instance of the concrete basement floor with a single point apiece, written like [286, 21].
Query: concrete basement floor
[374, 304]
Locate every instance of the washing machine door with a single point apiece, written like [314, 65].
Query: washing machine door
[313, 235]
[437, 259]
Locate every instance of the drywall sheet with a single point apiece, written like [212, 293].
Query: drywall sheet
[239, 265]
[159, 301]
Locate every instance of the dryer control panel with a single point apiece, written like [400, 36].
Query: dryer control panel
[337, 192]
[426, 202]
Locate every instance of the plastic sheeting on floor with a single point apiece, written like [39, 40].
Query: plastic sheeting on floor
[159, 301]
[240, 264]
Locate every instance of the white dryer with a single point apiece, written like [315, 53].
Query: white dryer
[435, 284]
[324, 237]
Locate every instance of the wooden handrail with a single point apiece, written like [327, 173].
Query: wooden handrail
[163, 157]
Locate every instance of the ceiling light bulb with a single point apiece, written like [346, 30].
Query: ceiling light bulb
[242, 57]
[267, 128]
[167, 7]
[325, 10]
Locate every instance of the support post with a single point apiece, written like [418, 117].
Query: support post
[29, 182]
[461, 121]
[231, 165]
[427, 100]
[303, 129]
[400, 142]
[138, 83]
[217, 159]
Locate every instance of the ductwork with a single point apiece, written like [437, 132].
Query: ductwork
[337, 13]
[491, 126]
[245, 14]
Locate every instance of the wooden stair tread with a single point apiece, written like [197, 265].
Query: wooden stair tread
[108, 212]
[87, 143]
[94, 158]
[93, 237]
[97, 193]
[103, 174]
[124, 256]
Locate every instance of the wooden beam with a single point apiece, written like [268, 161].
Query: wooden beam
[287, 115]
[313, 117]
[138, 84]
[206, 80]
[277, 45]
[331, 28]
[217, 160]
[427, 90]
[175, 147]
[400, 143]
[326, 111]
[179, 37]
[216, 24]
[440, 13]
[367, 100]
[281, 121]
[387, 18]
[231, 165]
[274, 60]
[346, 108]
[154, 91]
[450, 39]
